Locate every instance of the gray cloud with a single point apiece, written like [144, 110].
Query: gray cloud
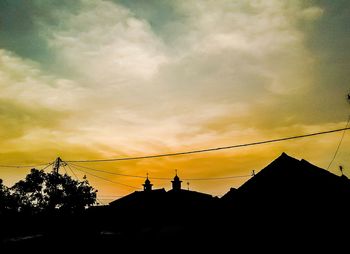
[167, 68]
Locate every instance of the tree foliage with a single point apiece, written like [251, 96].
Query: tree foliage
[6, 201]
[47, 192]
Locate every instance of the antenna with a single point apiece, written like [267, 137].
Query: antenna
[188, 185]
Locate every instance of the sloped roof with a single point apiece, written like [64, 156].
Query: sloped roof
[161, 198]
[230, 195]
[189, 194]
[139, 198]
[289, 174]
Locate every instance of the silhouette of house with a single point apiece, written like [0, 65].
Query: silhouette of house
[176, 198]
[230, 195]
[140, 199]
[289, 183]
[288, 204]
[288, 196]
[183, 201]
[288, 175]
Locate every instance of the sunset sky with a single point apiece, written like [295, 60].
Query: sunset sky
[93, 79]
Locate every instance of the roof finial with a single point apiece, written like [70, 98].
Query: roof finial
[147, 186]
[341, 169]
[176, 172]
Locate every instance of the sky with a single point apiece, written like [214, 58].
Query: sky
[96, 79]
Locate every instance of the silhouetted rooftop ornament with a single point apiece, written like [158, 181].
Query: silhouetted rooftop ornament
[176, 182]
[147, 186]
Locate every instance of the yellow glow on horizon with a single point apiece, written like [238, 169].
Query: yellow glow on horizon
[106, 79]
[317, 150]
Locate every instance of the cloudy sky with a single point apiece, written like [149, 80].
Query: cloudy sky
[90, 79]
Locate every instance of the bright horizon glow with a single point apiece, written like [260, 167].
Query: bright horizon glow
[94, 79]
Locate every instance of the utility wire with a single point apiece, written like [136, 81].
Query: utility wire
[98, 200]
[216, 178]
[130, 186]
[72, 171]
[163, 178]
[23, 166]
[339, 144]
[213, 149]
[48, 165]
[188, 152]
[65, 170]
[108, 172]
[193, 151]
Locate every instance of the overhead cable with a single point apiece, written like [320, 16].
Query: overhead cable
[212, 149]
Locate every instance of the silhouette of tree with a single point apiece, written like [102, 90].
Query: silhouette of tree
[48, 192]
[6, 202]
[66, 194]
[28, 193]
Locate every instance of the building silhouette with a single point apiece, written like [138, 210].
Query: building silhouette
[176, 183]
[147, 186]
[159, 199]
[289, 203]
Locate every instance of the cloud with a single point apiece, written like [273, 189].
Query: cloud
[312, 13]
[105, 43]
[227, 59]
[128, 80]
[35, 108]
[22, 80]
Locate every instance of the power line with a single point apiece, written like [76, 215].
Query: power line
[65, 170]
[130, 186]
[72, 171]
[79, 181]
[188, 152]
[48, 165]
[108, 172]
[215, 178]
[100, 202]
[163, 178]
[213, 149]
[23, 166]
[339, 144]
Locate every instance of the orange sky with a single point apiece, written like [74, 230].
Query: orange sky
[106, 79]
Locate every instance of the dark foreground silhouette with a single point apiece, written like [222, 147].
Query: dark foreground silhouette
[290, 205]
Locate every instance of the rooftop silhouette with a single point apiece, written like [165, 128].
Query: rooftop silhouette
[287, 177]
[287, 196]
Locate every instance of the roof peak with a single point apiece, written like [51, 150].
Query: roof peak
[284, 156]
